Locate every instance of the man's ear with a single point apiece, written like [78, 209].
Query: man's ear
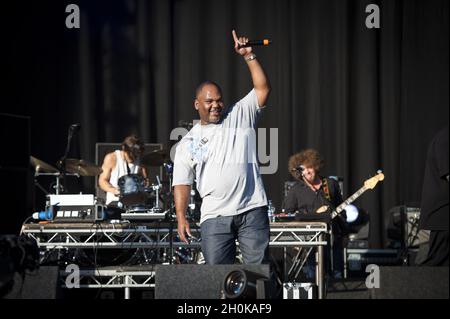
[196, 104]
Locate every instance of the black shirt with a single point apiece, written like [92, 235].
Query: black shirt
[303, 199]
[435, 193]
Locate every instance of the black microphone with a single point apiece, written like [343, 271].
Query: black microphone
[299, 168]
[263, 42]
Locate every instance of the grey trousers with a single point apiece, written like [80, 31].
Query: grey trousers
[250, 228]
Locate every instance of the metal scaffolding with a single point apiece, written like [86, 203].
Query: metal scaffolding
[162, 237]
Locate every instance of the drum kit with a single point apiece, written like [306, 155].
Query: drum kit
[138, 200]
[142, 201]
[72, 167]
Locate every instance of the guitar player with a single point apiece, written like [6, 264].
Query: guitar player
[312, 192]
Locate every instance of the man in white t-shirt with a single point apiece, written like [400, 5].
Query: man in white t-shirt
[219, 154]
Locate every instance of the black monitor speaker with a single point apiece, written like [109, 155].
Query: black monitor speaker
[15, 173]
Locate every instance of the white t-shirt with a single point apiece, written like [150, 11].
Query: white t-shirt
[223, 161]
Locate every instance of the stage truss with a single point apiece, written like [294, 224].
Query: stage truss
[158, 236]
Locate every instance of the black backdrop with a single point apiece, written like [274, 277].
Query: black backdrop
[368, 99]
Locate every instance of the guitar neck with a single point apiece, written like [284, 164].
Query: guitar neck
[348, 201]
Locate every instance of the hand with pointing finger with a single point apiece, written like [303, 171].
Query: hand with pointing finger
[241, 41]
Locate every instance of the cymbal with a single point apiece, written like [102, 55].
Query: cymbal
[81, 167]
[156, 158]
[41, 166]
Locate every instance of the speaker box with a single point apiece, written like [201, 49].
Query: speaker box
[348, 289]
[197, 281]
[15, 172]
[358, 259]
[15, 134]
[412, 283]
[42, 283]
[402, 227]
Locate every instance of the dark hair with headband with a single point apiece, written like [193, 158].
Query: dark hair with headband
[133, 146]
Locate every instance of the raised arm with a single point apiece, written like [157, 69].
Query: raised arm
[260, 81]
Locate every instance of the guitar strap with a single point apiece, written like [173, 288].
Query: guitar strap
[326, 189]
[326, 195]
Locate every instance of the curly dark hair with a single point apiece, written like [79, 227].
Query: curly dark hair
[309, 157]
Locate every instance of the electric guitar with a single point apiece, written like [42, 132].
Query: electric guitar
[368, 184]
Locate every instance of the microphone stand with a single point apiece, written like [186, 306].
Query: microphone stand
[169, 171]
[62, 161]
[332, 207]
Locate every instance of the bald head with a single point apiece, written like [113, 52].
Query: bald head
[204, 84]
